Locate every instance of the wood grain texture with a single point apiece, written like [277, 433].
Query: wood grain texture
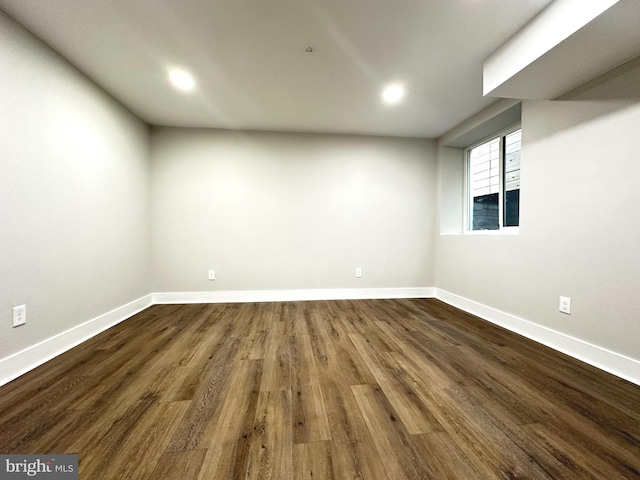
[379, 389]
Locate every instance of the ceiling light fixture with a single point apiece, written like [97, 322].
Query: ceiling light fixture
[392, 93]
[182, 80]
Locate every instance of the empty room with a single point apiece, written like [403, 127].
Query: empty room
[299, 239]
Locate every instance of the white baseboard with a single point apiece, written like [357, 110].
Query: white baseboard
[612, 362]
[21, 362]
[292, 295]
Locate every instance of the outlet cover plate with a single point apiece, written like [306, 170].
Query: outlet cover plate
[19, 315]
[565, 305]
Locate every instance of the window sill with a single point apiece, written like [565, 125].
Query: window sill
[504, 231]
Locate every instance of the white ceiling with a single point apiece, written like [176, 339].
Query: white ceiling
[250, 65]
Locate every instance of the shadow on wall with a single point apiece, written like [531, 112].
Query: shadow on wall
[621, 83]
[566, 115]
[610, 93]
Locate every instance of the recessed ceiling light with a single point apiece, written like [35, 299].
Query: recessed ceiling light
[182, 80]
[392, 93]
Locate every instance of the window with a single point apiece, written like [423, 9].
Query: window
[493, 182]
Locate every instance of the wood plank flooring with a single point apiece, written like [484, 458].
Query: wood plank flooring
[376, 389]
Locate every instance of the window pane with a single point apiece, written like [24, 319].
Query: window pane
[512, 148]
[494, 183]
[484, 185]
[485, 212]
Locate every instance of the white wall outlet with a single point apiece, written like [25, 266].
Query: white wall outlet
[212, 274]
[565, 305]
[19, 315]
[358, 272]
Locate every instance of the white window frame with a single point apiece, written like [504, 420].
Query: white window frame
[502, 230]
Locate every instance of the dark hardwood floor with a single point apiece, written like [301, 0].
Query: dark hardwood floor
[383, 389]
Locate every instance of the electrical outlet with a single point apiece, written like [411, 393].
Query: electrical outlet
[358, 272]
[19, 315]
[212, 274]
[565, 305]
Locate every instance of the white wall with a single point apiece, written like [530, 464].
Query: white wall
[450, 190]
[74, 236]
[272, 211]
[578, 235]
